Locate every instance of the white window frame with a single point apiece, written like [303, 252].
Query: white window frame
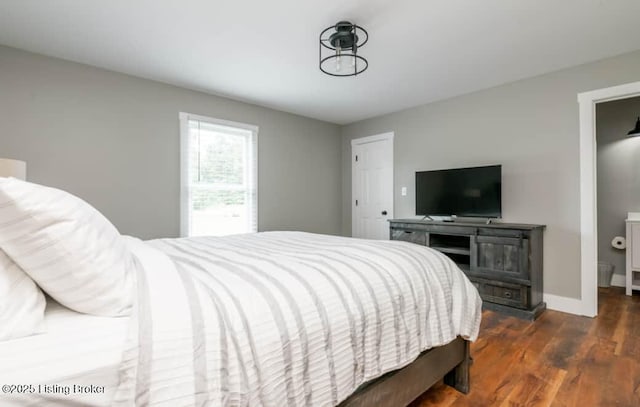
[184, 165]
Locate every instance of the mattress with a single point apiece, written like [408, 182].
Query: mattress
[284, 318]
[75, 362]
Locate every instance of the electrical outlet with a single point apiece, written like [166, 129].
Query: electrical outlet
[404, 191]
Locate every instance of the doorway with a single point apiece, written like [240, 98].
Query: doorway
[618, 187]
[588, 304]
[372, 186]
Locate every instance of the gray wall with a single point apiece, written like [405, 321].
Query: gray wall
[113, 140]
[530, 127]
[618, 174]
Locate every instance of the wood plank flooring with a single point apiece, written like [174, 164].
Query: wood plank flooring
[558, 360]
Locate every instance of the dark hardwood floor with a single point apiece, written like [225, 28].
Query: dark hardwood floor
[558, 360]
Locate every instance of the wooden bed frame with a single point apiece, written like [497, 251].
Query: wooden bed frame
[399, 388]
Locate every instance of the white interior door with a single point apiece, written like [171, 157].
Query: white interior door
[372, 186]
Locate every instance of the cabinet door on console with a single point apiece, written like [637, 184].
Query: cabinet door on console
[500, 256]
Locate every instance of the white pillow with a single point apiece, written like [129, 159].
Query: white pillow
[73, 252]
[22, 303]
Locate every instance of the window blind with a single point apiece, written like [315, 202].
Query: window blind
[219, 177]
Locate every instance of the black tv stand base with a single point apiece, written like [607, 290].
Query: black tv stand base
[454, 219]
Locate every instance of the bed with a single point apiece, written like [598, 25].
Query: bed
[276, 318]
[76, 349]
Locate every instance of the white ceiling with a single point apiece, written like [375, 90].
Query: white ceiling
[266, 51]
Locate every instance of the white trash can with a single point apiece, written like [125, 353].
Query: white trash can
[605, 272]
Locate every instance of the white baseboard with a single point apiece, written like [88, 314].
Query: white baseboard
[619, 280]
[563, 304]
[574, 305]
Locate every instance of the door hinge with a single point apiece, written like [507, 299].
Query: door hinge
[356, 202]
[356, 158]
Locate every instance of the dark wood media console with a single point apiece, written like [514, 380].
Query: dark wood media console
[503, 260]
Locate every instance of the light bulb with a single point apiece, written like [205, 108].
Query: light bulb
[338, 59]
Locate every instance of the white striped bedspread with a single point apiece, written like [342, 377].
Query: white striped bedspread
[285, 318]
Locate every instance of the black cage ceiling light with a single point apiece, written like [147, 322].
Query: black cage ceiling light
[339, 46]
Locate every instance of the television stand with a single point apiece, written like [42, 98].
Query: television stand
[503, 260]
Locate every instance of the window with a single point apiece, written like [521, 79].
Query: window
[218, 177]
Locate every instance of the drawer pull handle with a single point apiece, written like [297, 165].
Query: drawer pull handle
[507, 294]
[408, 232]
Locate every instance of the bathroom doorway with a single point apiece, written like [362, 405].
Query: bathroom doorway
[618, 186]
[588, 303]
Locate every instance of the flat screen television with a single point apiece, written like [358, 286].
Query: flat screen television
[464, 192]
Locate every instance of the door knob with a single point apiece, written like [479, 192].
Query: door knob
[384, 212]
